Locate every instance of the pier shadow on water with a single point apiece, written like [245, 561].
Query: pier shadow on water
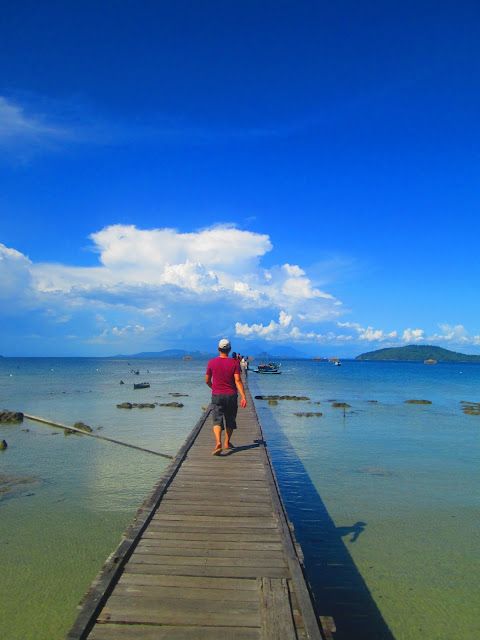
[338, 586]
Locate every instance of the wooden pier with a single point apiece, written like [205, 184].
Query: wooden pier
[210, 555]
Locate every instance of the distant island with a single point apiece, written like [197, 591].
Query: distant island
[415, 352]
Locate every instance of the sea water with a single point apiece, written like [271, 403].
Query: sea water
[384, 496]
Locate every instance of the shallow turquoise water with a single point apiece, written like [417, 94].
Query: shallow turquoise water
[392, 492]
[80, 494]
[385, 500]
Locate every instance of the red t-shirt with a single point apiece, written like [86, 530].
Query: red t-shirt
[222, 371]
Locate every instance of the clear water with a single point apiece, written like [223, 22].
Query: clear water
[385, 500]
[72, 497]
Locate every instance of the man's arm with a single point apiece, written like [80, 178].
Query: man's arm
[241, 390]
[208, 380]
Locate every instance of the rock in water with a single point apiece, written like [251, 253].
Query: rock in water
[3, 445]
[178, 405]
[10, 417]
[83, 427]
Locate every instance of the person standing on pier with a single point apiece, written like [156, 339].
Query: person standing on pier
[223, 378]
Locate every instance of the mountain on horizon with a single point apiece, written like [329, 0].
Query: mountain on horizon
[275, 353]
[416, 352]
[167, 353]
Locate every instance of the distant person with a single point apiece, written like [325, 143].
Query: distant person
[234, 355]
[223, 378]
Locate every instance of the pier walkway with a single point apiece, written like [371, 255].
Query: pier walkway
[210, 555]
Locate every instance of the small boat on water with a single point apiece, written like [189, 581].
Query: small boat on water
[141, 385]
[337, 363]
[269, 367]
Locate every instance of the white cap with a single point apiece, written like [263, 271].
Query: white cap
[224, 344]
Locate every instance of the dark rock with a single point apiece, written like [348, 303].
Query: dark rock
[341, 405]
[372, 401]
[26, 430]
[272, 403]
[178, 395]
[172, 404]
[83, 427]
[10, 417]
[125, 405]
[122, 382]
[471, 408]
[309, 415]
[145, 405]
[3, 445]
[418, 402]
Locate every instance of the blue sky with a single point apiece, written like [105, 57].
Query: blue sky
[301, 174]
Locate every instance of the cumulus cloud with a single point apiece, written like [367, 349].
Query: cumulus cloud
[160, 282]
[173, 279]
[283, 331]
[369, 334]
[413, 335]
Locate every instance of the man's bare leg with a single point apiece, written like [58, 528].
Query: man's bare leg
[228, 435]
[217, 432]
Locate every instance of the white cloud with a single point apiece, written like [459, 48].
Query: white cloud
[173, 279]
[413, 335]
[371, 335]
[293, 270]
[160, 282]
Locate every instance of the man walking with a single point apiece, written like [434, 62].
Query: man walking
[223, 378]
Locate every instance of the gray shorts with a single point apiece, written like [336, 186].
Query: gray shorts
[224, 411]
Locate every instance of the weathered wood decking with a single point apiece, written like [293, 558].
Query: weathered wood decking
[210, 555]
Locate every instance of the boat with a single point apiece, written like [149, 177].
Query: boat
[430, 361]
[269, 367]
[337, 364]
[141, 385]
[187, 358]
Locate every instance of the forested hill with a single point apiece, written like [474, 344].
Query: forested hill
[418, 352]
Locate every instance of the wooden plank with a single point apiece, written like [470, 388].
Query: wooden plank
[186, 552]
[213, 571]
[235, 511]
[275, 610]
[184, 593]
[180, 612]
[210, 544]
[238, 498]
[243, 521]
[246, 535]
[206, 561]
[194, 495]
[238, 585]
[164, 632]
